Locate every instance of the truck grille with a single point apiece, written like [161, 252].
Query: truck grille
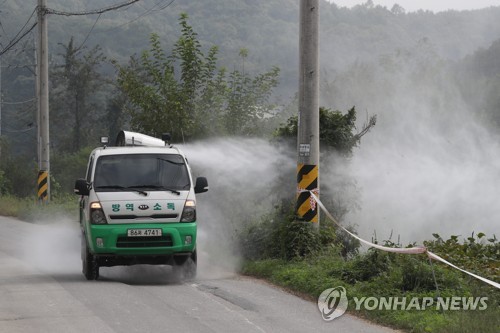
[133, 217]
[135, 242]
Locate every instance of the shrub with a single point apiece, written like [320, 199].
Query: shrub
[279, 235]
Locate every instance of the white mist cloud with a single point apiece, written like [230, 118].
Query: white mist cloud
[428, 166]
[415, 193]
[53, 248]
[242, 175]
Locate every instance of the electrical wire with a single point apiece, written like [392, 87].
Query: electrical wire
[20, 114]
[18, 38]
[3, 29]
[11, 45]
[23, 115]
[87, 37]
[20, 35]
[96, 11]
[147, 12]
[8, 130]
[17, 103]
[162, 8]
[25, 24]
[151, 10]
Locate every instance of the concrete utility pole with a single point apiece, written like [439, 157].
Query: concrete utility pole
[308, 126]
[0, 98]
[43, 105]
[0, 107]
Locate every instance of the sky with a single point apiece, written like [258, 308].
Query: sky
[432, 5]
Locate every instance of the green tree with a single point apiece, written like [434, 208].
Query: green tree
[76, 83]
[159, 101]
[336, 130]
[187, 95]
[115, 119]
[248, 101]
[17, 172]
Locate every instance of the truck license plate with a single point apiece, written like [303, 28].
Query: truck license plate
[144, 232]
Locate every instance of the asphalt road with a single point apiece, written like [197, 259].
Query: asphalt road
[42, 290]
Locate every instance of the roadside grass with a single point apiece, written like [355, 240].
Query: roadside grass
[379, 274]
[30, 210]
[10, 206]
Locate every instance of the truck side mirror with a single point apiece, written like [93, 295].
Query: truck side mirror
[81, 187]
[201, 185]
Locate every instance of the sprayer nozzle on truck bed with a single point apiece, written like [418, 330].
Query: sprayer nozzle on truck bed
[138, 206]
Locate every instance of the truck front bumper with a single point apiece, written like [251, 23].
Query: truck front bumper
[112, 240]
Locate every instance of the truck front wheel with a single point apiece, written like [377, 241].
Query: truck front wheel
[186, 271]
[90, 267]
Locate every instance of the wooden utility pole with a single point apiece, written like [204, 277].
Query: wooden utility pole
[308, 126]
[43, 105]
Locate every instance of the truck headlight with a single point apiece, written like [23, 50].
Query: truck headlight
[189, 212]
[97, 214]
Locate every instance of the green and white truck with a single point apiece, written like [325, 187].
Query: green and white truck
[138, 206]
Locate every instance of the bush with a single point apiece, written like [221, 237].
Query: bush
[477, 253]
[66, 168]
[280, 236]
[366, 266]
[4, 185]
[20, 173]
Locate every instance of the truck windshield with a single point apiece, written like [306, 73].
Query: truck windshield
[154, 172]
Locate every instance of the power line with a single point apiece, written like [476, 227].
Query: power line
[25, 24]
[12, 43]
[21, 102]
[157, 7]
[152, 9]
[162, 8]
[96, 11]
[18, 38]
[87, 37]
[3, 29]
[147, 12]
[92, 12]
[22, 112]
[31, 126]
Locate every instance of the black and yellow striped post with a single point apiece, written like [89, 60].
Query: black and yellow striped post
[308, 120]
[43, 186]
[307, 180]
